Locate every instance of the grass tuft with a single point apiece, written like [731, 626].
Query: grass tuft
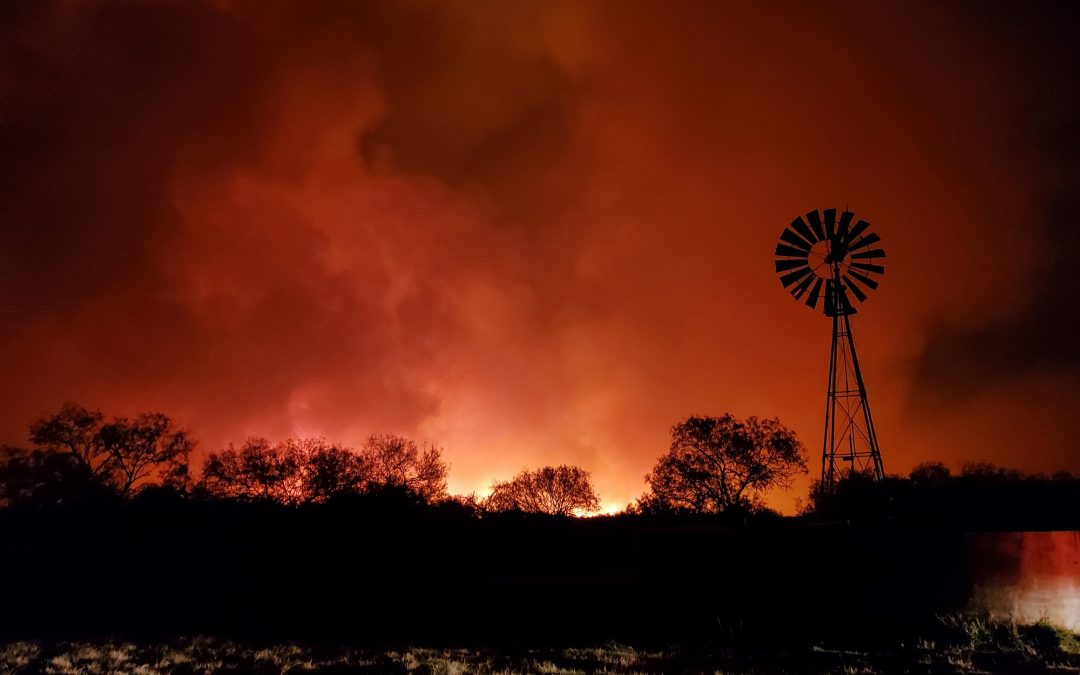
[983, 632]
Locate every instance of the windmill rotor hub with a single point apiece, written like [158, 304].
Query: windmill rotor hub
[825, 256]
[838, 248]
[829, 259]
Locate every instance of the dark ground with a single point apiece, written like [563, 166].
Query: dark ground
[354, 586]
[202, 655]
[431, 577]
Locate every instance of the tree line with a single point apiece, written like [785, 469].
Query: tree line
[713, 465]
[980, 495]
[77, 455]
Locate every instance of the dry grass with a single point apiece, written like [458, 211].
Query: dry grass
[980, 647]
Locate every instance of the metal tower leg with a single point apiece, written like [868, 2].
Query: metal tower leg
[864, 402]
[850, 442]
[828, 467]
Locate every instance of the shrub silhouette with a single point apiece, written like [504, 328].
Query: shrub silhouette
[293, 472]
[396, 461]
[723, 464]
[301, 471]
[980, 496]
[553, 490]
[46, 478]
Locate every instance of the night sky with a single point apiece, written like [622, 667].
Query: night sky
[538, 232]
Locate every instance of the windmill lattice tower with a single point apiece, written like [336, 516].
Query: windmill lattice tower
[827, 261]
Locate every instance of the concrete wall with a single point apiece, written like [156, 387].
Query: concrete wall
[1027, 576]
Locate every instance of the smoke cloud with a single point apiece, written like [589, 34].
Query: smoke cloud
[531, 232]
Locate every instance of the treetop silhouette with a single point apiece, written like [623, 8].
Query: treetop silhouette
[124, 454]
[721, 464]
[301, 471]
[553, 490]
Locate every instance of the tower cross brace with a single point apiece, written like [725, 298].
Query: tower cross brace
[850, 444]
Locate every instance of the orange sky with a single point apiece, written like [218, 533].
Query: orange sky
[536, 232]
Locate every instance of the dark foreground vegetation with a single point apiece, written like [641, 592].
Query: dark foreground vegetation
[717, 470]
[387, 568]
[106, 532]
[972, 645]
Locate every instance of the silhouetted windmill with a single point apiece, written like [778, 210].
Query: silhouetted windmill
[822, 259]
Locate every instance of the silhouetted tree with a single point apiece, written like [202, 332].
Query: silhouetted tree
[986, 473]
[145, 448]
[930, 475]
[554, 490]
[328, 470]
[45, 478]
[397, 462]
[980, 496]
[124, 454]
[257, 470]
[74, 430]
[465, 506]
[293, 472]
[855, 496]
[717, 464]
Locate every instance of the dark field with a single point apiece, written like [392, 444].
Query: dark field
[356, 587]
[431, 578]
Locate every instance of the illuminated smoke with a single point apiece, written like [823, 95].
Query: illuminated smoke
[534, 233]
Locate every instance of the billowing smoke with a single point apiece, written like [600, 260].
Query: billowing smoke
[531, 232]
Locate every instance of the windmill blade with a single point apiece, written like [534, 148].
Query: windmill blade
[803, 285]
[792, 277]
[800, 226]
[865, 280]
[869, 267]
[787, 265]
[830, 222]
[859, 228]
[871, 238]
[815, 222]
[795, 240]
[811, 300]
[783, 249]
[855, 289]
[872, 253]
[784, 265]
